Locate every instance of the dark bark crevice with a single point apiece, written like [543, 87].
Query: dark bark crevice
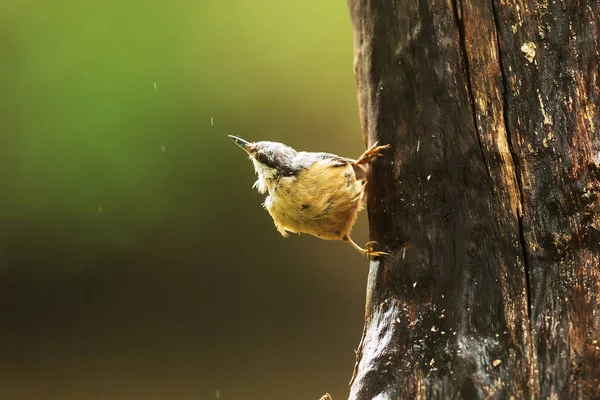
[457, 4]
[517, 167]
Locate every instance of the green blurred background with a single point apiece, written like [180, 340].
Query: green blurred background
[136, 262]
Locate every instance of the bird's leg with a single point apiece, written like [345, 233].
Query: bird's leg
[371, 153]
[368, 252]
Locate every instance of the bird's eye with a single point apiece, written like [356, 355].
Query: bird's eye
[262, 157]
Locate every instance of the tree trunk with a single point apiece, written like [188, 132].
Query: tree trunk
[488, 202]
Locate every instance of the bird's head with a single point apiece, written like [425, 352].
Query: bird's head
[272, 161]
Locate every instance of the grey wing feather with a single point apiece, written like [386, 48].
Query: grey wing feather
[305, 159]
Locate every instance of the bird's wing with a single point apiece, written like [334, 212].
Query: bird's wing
[306, 159]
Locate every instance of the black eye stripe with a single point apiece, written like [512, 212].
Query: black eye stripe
[282, 163]
[261, 157]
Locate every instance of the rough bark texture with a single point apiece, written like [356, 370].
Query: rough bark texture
[489, 201]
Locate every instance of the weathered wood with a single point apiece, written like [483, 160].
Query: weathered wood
[550, 63]
[488, 202]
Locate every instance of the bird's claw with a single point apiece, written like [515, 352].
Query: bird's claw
[371, 254]
[373, 152]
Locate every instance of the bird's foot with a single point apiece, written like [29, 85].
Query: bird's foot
[371, 254]
[373, 152]
[368, 252]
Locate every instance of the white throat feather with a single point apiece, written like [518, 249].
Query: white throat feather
[265, 176]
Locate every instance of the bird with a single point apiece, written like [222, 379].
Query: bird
[314, 193]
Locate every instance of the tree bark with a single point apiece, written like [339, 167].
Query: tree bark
[488, 201]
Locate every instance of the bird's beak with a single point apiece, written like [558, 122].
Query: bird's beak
[247, 146]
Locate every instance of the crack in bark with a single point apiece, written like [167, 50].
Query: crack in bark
[358, 352]
[516, 165]
[457, 5]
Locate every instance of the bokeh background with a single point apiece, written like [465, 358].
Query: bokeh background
[136, 262]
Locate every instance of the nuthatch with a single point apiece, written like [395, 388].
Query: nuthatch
[316, 193]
